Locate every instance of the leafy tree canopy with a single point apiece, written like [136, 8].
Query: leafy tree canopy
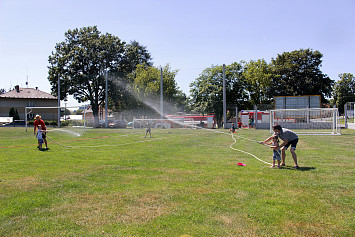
[82, 59]
[258, 77]
[298, 73]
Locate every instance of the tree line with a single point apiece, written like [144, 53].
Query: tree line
[86, 57]
[257, 82]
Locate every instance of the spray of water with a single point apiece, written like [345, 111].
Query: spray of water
[75, 133]
[122, 83]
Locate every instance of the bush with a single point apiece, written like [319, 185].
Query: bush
[64, 123]
[76, 122]
[53, 123]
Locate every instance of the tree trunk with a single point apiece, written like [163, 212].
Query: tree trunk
[95, 112]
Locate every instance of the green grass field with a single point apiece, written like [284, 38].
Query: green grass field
[115, 182]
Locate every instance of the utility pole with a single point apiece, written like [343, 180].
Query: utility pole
[58, 101]
[161, 94]
[106, 101]
[224, 97]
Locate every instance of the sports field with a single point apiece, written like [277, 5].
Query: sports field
[115, 182]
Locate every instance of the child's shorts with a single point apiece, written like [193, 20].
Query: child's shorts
[40, 141]
[276, 155]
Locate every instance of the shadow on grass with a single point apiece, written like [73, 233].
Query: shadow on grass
[43, 149]
[299, 168]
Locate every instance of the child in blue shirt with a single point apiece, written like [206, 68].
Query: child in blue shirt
[40, 137]
[275, 145]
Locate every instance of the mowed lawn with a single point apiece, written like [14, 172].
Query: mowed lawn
[180, 182]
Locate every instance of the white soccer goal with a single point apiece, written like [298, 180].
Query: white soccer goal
[311, 121]
[57, 116]
[164, 123]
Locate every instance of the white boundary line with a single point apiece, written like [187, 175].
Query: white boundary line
[235, 141]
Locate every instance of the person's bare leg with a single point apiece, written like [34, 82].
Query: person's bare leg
[283, 155]
[294, 156]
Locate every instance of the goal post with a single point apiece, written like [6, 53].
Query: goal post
[51, 114]
[309, 121]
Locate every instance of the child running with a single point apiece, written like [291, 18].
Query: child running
[275, 145]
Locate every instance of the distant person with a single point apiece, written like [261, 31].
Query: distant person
[232, 129]
[275, 145]
[40, 137]
[289, 139]
[148, 130]
[240, 124]
[37, 122]
[251, 122]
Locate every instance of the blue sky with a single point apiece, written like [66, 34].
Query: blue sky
[190, 35]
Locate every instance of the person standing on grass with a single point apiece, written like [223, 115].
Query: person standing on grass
[148, 130]
[289, 139]
[275, 145]
[39, 137]
[239, 124]
[37, 122]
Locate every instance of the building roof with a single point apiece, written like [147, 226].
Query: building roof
[27, 93]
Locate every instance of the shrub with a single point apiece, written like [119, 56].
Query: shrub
[53, 123]
[64, 123]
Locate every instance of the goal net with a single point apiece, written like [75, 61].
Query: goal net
[315, 121]
[58, 117]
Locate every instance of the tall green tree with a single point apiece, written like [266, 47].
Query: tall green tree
[258, 77]
[298, 73]
[206, 92]
[82, 59]
[134, 54]
[344, 90]
[2, 91]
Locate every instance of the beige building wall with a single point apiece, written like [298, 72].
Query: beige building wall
[19, 104]
[20, 98]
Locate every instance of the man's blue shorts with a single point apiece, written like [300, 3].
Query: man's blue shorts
[293, 144]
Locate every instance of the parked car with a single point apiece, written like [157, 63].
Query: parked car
[101, 123]
[117, 124]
